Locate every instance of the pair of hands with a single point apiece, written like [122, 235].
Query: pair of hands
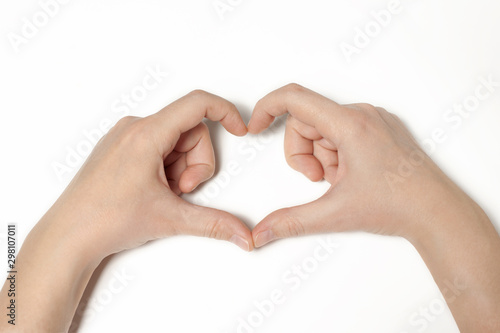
[127, 192]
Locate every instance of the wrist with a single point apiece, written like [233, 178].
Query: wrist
[449, 215]
[64, 236]
[53, 272]
[461, 249]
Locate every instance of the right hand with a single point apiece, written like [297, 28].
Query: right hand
[381, 180]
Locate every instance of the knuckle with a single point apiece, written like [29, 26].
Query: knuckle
[125, 121]
[293, 89]
[395, 116]
[360, 123]
[290, 225]
[364, 119]
[122, 125]
[367, 107]
[383, 113]
[294, 86]
[137, 133]
[214, 229]
[197, 93]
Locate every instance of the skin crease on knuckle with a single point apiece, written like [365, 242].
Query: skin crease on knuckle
[214, 229]
[288, 225]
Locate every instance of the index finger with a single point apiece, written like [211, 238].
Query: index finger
[304, 105]
[188, 111]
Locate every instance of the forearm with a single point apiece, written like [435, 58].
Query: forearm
[463, 254]
[52, 273]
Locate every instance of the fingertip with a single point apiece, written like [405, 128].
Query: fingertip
[188, 186]
[330, 173]
[251, 244]
[234, 124]
[282, 223]
[314, 175]
[308, 165]
[252, 128]
[262, 233]
[235, 231]
[242, 242]
[259, 120]
[242, 236]
[194, 175]
[174, 186]
[264, 237]
[242, 129]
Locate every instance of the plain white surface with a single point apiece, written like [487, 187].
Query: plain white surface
[67, 77]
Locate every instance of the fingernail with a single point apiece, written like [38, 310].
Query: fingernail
[240, 242]
[264, 237]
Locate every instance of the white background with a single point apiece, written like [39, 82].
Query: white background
[65, 79]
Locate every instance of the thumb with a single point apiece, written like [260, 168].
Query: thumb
[189, 219]
[319, 216]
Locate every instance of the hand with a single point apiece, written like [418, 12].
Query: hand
[381, 180]
[127, 191]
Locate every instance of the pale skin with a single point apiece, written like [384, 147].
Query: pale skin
[127, 193]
